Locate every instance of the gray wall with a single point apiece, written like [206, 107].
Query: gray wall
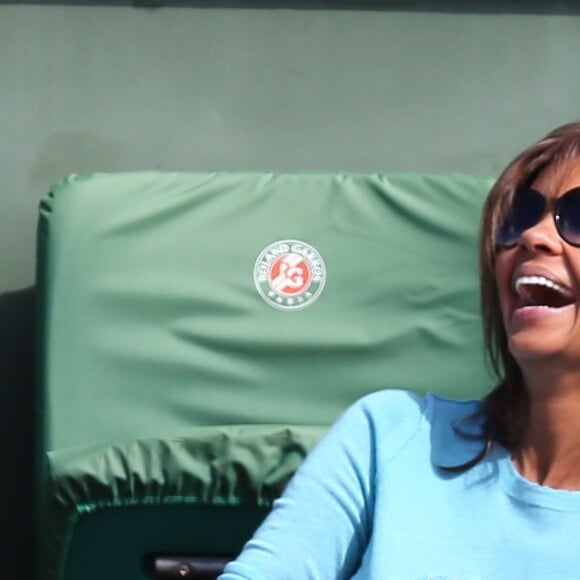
[114, 88]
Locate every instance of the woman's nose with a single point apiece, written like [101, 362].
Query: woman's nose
[542, 237]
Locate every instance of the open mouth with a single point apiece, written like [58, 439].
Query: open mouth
[540, 291]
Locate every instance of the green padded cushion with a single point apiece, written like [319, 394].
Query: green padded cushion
[207, 472]
[154, 335]
[151, 312]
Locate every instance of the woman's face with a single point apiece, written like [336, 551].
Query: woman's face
[539, 284]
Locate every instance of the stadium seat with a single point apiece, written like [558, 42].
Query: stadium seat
[200, 332]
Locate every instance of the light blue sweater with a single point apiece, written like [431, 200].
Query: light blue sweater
[370, 503]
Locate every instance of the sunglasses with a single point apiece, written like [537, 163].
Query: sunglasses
[529, 207]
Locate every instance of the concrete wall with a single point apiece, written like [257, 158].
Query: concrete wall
[113, 88]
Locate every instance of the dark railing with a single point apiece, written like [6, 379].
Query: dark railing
[565, 7]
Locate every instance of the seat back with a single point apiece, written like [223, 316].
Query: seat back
[174, 302]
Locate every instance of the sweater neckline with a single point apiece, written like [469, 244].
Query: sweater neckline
[531, 493]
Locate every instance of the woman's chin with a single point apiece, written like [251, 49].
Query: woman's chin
[542, 332]
[528, 347]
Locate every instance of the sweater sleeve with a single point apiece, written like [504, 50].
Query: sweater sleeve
[320, 527]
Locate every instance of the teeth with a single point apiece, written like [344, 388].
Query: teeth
[541, 281]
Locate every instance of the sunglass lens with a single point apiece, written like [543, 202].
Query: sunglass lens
[568, 217]
[526, 210]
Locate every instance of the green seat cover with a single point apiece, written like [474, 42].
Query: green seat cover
[199, 332]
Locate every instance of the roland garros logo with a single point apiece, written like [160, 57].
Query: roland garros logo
[289, 274]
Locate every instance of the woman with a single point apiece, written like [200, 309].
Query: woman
[406, 487]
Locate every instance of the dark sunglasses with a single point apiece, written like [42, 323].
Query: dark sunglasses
[529, 207]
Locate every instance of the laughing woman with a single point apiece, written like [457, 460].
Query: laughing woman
[406, 487]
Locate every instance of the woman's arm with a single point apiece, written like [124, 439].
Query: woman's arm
[320, 527]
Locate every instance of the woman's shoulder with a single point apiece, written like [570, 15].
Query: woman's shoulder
[401, 404]
[453, 428]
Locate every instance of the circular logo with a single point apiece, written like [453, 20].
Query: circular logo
[289, 274]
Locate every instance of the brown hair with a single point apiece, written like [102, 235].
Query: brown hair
[505, 407]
